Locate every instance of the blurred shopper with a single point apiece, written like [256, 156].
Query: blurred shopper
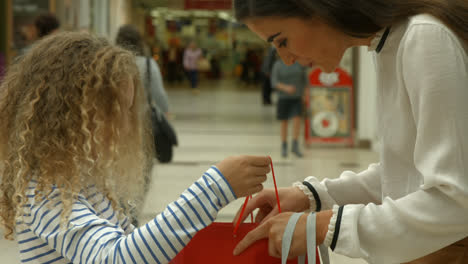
[42, 26]
[28, 34]
[155, 51]
[267, 68]
[215, 66]
[165, 137]
[192, 55]
[290, 82]
[236, 61]
[46, 24]
[72, 142]
[129, 38]
[251, 67]
[173, 61]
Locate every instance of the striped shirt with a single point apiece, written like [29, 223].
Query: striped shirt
[95, 233]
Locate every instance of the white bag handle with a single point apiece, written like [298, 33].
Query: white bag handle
[311, 241]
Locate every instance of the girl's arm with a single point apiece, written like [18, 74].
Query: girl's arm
[92, 236]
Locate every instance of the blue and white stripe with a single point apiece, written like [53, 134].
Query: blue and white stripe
[95, 234]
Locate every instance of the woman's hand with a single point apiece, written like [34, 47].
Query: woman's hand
[273, 229]
[292, 199]
[245, 174]
[290, 89]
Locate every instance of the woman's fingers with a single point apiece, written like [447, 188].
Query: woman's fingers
[264, 211]
[271, 214]
[256, 202]
[272, 250]
[253, 236]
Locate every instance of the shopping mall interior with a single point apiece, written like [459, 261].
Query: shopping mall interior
[229, 107]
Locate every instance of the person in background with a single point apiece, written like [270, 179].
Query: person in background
[129, 38]
[236, 60]
[172, 62]
[215, 66]
[267, 68]
[155, 51]
[74, 152]
[42, 26]
[251, 67]
[192, 55]
[46, 24]
[28, 37]
[290, 82]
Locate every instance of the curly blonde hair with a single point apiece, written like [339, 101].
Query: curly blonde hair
[66, 120]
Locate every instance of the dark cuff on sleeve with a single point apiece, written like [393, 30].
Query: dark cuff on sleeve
[318, 203]
[337, 228]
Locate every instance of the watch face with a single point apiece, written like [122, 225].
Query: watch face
[325, 124]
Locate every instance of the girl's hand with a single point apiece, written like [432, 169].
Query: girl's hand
[245, 174]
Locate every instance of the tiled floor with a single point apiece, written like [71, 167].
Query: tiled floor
[222, 121]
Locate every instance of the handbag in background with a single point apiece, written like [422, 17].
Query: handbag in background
[165, 137]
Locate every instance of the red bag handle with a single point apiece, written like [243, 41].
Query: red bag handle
[247, 199]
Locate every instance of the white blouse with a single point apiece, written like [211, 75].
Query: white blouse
[415, 201]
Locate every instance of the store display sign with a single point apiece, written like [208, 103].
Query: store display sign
[330, 115]
[330, 108]
[208, 4]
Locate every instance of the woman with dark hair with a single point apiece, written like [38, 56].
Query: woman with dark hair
[129, 38]
[413, 205]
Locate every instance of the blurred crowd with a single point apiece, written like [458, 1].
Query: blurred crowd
[183, 61]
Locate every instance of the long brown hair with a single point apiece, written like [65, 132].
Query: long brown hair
[359, 18]
[64, 119]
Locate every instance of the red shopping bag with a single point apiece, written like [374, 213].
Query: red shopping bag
[215, 244]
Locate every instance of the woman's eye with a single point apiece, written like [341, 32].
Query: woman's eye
[283, 43]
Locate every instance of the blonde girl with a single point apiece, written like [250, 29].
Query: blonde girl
[73, 159]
